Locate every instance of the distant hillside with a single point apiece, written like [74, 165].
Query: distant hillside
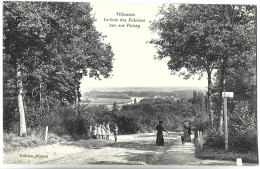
[106, 94]
[157, 89]
[176, 93]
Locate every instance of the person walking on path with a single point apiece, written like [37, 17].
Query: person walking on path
[160, 129]
[107, 131]
[187, 131]
[115, 132]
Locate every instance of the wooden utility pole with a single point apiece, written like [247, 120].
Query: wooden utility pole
[226, 123]
[201, 140]
[226, 95]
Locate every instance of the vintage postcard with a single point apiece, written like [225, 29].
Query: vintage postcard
[129, 83]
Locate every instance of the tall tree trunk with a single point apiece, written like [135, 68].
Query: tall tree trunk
[20, 101]
[76, 96]
[209, 107]
[77, 103]
[40, 98]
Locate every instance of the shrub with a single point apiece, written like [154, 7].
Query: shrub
[242, 128]
[214, 139]
[201, 122]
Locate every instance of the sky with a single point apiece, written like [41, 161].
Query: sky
[134, 64]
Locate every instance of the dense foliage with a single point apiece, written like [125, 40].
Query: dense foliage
[215, 38]
[47, 50]
[145, 115]
[201, 38]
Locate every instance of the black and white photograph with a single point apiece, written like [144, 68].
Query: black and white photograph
[88, 83]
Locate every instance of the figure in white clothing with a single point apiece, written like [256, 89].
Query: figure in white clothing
[103, 132]
[107, 131]
[94, 131]
[99, 131]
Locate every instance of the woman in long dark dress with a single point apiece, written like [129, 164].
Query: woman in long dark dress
[160, 129]
[187, 132]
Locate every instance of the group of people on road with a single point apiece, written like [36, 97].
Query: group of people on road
[185, 138]
[102, 131]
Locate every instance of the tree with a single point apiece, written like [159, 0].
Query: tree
[198, 102]
[80, 47]
[48, 49]
[115, 107]
[23, 41]
[240, 50]
[194, 37]
[135, 102]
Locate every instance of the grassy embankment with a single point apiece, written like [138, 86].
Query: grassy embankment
[221, 154]
[12, 142]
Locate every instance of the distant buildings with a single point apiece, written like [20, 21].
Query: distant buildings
[164, 97]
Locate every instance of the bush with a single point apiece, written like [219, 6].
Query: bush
[146, 129]
[220, 154]
[201, 122]
[242, 131]
[242, 128]
[127, 125]
[214, 139]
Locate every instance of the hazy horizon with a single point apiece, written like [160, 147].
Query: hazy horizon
[144, 88]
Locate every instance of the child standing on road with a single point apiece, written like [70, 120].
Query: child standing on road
[103, 131]
[95, 131]
[107, 131]
[99, 131]
[115, 132]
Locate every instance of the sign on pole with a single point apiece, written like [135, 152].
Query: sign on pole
[228, 94]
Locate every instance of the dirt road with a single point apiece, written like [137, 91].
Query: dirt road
[136, 149]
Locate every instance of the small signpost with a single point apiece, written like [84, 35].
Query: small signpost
[226, 95]
[239, 162]
[46, 134]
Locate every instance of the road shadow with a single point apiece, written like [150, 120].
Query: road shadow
[138, 150]
[170, 134]
[144, 145]
[141, 158]
[148, 144]
[89, 144]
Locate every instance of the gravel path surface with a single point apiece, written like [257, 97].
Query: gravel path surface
[135, 149]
